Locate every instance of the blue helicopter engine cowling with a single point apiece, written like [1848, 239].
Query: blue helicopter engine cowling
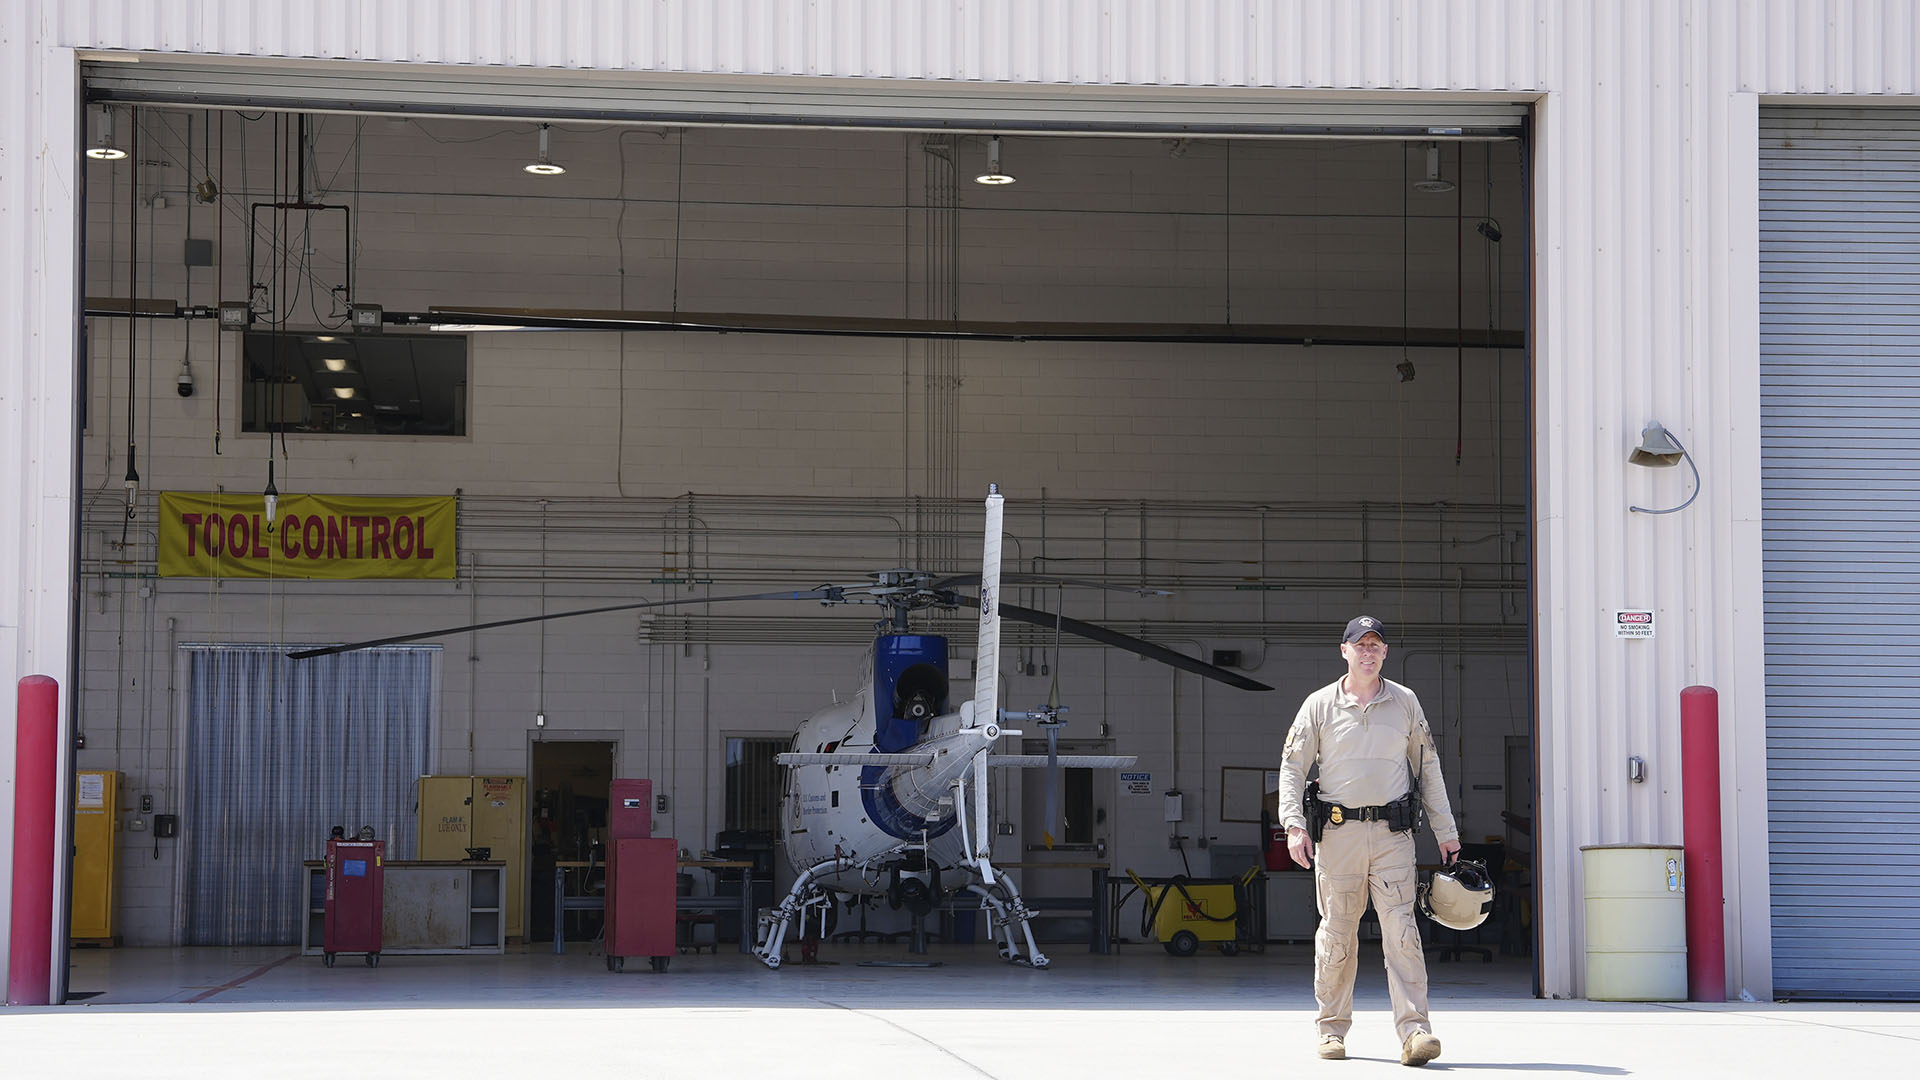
[910, 676]
[910, 673]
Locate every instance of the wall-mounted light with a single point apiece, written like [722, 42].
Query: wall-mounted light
[543, 165]
[1658, 449]
[103, 148]
[1432, 183]
[995, 176]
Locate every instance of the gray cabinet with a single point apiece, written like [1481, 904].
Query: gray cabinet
[428, 907]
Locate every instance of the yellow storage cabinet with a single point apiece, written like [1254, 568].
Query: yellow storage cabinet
[461, 812]
[95, 858]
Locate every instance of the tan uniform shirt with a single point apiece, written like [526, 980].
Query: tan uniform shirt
[1365, 753]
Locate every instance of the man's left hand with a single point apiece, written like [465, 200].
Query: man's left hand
[1449, 851]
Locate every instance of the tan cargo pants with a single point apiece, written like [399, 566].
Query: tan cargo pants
[1351, 861]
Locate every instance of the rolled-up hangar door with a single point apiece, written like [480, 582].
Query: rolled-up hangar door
[1840, 458]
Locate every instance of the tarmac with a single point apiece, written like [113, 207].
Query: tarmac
[872, 1011]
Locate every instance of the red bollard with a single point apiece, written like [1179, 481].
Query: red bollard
[1700, 805]
[36, 763]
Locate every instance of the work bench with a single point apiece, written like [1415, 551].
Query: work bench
[590, 901]
[1094, 903]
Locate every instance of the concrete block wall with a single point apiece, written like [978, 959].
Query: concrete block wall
[835, 224]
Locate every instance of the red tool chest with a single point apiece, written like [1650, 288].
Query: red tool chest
[356, 892]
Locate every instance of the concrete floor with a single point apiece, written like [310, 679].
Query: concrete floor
[265, 1012]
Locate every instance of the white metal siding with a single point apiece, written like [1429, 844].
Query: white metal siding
[1840, 400]
[1647, 300]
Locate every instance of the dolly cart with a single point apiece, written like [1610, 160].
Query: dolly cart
[1183, 912]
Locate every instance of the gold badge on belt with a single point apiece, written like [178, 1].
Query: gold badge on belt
[1334, 815]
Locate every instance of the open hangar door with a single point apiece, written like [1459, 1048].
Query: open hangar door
[1274, 366]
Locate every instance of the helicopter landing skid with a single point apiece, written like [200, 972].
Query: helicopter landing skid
[1005, 909]
[1009, 912]
[771, 933]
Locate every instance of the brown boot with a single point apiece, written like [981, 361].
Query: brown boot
[1333, 1048]
[1420, 1048]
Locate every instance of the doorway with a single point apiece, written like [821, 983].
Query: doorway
[1056, 877]
[569, 781]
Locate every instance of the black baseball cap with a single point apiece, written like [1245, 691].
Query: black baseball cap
[1362, 625]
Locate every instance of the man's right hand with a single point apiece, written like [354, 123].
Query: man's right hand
[1300, 846]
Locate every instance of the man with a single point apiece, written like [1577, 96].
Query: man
[1370, 740]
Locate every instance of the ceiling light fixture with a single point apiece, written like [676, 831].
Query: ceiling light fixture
[335, 363]
[343, 392]
[994, 176]
[543, 164]
[1658, 449]
[1433, 184]
[103, 148]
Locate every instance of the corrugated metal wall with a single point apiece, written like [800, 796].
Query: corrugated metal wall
[1646, 303]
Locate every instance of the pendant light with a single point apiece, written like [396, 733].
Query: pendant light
[995, 176]
[544, 165]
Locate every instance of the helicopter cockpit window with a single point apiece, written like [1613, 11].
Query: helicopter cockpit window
[354, 384]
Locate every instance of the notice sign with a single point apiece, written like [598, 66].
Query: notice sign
[1136, 783]
[1633, 624]
[311, 536]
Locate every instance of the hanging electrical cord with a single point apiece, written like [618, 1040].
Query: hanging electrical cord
[133, 320]
[219, 265]
[1459, 314]
[1406, 376]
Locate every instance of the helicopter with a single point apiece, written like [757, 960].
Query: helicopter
[886, 794]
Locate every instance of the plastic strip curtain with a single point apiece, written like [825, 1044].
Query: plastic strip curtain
[278, 752]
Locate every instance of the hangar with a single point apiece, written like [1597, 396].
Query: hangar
[1354, 315]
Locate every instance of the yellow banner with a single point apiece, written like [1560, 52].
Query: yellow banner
[312, 536]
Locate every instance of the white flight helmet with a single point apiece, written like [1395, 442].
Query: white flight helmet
[1458, 895]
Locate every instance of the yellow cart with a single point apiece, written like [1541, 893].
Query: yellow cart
[1183, 912]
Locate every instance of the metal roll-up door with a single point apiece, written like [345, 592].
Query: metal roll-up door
[558, 94]
[1840, 458]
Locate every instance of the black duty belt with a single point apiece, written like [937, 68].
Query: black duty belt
[1337, 814]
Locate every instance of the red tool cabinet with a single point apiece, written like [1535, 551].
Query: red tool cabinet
[641, 900]
[356, 893]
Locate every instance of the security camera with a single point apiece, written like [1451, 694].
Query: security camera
[186, 380]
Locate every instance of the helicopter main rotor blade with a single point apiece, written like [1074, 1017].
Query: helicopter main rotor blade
[1122, 641]
[805, 594]
[1065, 761]
[957, 580]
